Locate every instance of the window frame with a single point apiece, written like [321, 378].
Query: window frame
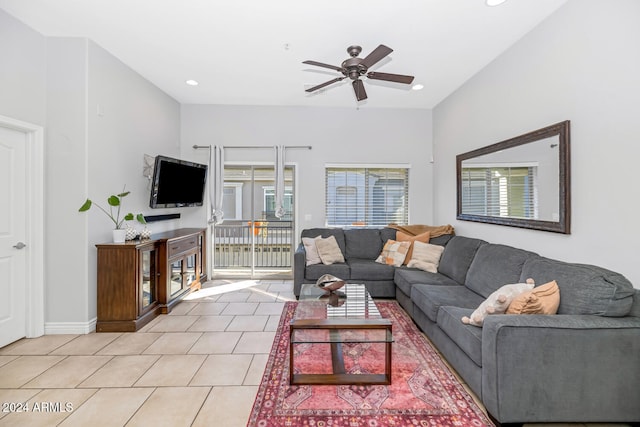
[364, 180]
[237, 190]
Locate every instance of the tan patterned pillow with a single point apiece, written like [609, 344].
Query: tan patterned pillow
[404, 237]
[543, 299]
[393, 253]
[329, 250]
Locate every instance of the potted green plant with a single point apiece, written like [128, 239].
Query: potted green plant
[115, 204]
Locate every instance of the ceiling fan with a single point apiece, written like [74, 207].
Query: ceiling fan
[355, 67]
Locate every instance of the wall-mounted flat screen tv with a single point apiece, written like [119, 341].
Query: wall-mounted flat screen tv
[177, 183]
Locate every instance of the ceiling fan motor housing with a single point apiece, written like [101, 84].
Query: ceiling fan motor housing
[353, 69]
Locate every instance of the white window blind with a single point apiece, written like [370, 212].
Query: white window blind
[373, 196]
[510, 192]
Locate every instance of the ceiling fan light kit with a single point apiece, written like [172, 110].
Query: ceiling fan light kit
[356, 67]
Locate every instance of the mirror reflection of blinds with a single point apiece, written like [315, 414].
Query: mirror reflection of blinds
[366, 196]
[510, 192]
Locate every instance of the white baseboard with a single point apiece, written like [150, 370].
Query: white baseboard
[58, 328]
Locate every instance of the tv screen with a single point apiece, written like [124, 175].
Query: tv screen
[177, 183]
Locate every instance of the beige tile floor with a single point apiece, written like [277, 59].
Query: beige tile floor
[198, 366]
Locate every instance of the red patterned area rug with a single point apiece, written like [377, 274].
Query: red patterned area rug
[423, 393]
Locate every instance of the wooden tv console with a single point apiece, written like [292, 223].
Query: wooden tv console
[137, 280]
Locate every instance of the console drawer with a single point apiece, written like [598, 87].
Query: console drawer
[182, 245]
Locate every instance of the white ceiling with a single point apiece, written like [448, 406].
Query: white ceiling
[250, 52]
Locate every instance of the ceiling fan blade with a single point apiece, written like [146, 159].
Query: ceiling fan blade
[358, 88]
[375, 56]
[320, 64]
[398, 78]
[320, 86]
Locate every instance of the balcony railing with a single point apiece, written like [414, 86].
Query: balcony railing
[239, 245]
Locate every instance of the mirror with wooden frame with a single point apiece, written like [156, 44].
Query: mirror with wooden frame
[521, 182]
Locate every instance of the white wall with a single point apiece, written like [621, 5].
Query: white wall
[66, 148]
[102, 118]
[127, 117]
[581, 64]
[22, 71]
[337, 135]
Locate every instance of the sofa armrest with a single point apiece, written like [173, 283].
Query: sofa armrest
[299, 265]
[561, 368]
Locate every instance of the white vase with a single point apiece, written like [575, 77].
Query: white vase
[119, 236]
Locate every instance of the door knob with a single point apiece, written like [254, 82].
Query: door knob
[19, 245]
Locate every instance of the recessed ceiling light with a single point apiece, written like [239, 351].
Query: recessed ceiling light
[192, 82]
[417, 87]
[495, 2]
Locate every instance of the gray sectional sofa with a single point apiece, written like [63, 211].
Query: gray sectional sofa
[581, 365]
[360, 248]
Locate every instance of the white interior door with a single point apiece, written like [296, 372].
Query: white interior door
[13, 231]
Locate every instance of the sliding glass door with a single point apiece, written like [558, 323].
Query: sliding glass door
[252, 241]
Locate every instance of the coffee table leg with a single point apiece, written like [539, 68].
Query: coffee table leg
[337, 358]
[387, 362]
[291, 330]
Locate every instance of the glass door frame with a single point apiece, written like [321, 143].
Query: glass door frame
[253, 269]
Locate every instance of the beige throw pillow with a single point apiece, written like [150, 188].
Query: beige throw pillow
[329, 250]
[404, 237]
[393, 253]
[544, 299]
[311, 251]
[426, 256]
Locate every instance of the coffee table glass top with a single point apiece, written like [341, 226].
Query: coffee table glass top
[352, 301]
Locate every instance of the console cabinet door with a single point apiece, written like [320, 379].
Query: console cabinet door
[148, 289]
[184, 273]
[176, 277]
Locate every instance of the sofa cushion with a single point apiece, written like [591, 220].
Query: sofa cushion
[366, 269]
[441, 240]
[363, 243]
[405, 278]
[496, 265]
[314, 272]
[635, 307]
[386, 234]
[457, 257]
[429, 298]
[468, 338]
[584, 289]
[543, 299]
[338, 233]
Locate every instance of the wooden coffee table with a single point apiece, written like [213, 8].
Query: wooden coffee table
[348, 316]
